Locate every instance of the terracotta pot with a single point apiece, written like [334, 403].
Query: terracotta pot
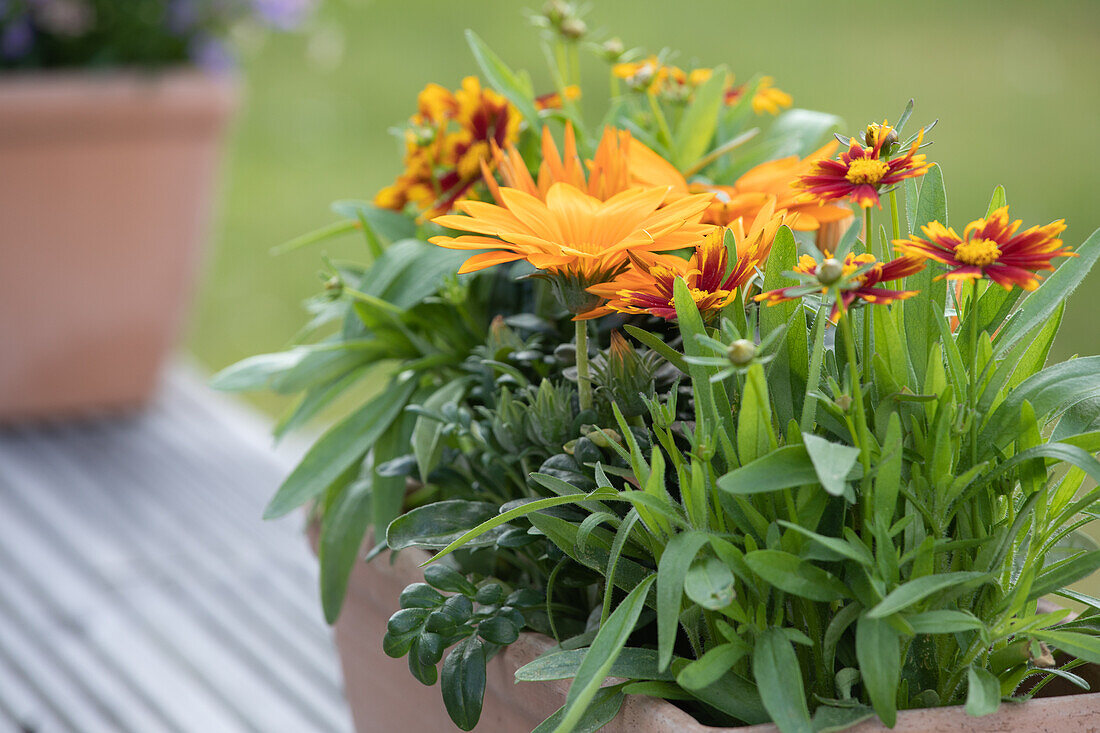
[106, 182]
[384, 696]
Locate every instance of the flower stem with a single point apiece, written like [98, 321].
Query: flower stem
[895, 221]
[584, 383]
[870, 240]
[857, 392]
[972, 317]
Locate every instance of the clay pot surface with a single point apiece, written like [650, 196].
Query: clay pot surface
[106, 183]
[384, 696]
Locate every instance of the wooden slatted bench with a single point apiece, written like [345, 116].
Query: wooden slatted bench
[139, 588]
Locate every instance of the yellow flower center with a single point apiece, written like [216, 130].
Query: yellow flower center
[978, 252]
[866, 170]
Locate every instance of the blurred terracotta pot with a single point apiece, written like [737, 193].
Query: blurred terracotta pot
[384, 696]
[106, 184]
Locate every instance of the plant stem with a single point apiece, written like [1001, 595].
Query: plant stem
[870, 241]
[584, 384]
[972, 317]
[857, 392]
[664, 132]
[894, 221]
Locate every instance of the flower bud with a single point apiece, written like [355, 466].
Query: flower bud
[333, 284]
[555, 11]
[844, 402]
[829, 271]
[613, 49]
[573, 28]
[871, 134]
[1044, 659]
[741, 352]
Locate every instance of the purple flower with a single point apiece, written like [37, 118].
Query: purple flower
[181, 16]
[284, 15]
[211, 54]
[17, 38]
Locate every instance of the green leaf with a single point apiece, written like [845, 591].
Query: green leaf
[388, 491]
[711, 401]
[832, 462]
[789, 369]
[920, 312]
[709, 583]
[754, 421]
[1065, 573]
[709, 668]
[1054, 290]
[256, 372]
[735, 696]
[828, 719]
[343, 527]
[997, 201]
[944, 621]
[1052, 390]
[669, 354]
[340, 447]
[602, 710]
[439, 523]
[1082, 646]
[632, 663]
[779, 680]
[388, 226]
[918, 589]
[699, 120]
[879, 655]
[796, 576]
[783, 468]
[504, 80]
[983, 692]
[1082, 417]
[851, 550]
[410, 271]
[605, 649]
[462, 682]
[671, 571]
[888, 479]
[426, 437]
[507, 516]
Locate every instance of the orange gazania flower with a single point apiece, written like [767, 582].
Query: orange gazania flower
[991, 248]
[747, 197]
[862, 279]
[575, 239]
[608, 173]
[861, 173]
[648, 286]
[446, 142]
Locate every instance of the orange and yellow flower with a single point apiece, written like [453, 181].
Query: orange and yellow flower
[648, 286]
[771, 181]
[650, 75]
[446, 143]
[607, 174]
[553, 100]
[766, 99]
[991, 248]
[766, 183]
[860, 173]
[575, 239]
[861, 278]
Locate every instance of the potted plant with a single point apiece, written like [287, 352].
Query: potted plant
[111, 119]
[665, 412]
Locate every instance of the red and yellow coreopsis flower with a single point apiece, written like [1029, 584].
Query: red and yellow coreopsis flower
[446, 143]
[991, 248]
[861, 172]
[861, 278]
[648, 286]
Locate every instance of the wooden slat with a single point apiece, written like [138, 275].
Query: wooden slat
[141, 591]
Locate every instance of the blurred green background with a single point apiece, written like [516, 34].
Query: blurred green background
[1013, 83]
